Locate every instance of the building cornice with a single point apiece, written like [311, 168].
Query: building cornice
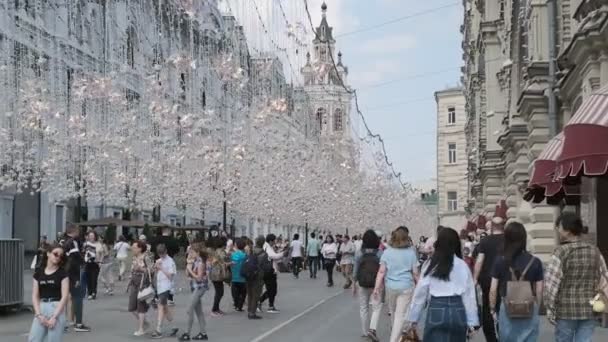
[513, 136]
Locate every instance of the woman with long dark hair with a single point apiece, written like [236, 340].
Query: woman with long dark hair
[447, 281]
[516, 262]
[141, 277]
[329, 252]
[50, 290]
[219, 272]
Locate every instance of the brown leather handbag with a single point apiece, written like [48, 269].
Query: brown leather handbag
[411, 335]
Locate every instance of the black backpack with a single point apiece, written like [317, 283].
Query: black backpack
[369, 265]
[266, 264]
[250, 268]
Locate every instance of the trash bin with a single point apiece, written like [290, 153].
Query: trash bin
[11, 271]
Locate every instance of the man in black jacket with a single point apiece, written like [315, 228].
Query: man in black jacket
[73, 250]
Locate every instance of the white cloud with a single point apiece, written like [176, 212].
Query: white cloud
[376, 71]
[388, 44]
[338, 15]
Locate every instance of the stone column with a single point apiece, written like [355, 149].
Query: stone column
[516, 163]
[533, 108]
[492, 178]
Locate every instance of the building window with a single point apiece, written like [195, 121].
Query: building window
[452, 201]
[451, 115]
[338, 120]
[451, 153]
[320, 117]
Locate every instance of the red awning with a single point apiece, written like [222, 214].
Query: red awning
[542, 181]
[585, 147]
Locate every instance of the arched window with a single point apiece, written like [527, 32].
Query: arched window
[321, 112]
[338, 120]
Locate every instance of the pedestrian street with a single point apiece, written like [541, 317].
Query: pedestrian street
[310, 312]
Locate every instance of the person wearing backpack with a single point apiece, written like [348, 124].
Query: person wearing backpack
[366, 267]
[239, 289]
[517, 277]
[218, 273]
[270, 275]
[257, 263]
[397, 275]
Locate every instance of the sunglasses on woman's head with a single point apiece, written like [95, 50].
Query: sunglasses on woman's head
[57, 254]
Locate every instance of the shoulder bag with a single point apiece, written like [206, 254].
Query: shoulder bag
[600, 301]
[148, 292]
[410, 335]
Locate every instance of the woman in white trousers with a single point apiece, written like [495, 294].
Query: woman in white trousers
[366, 266]
[398, 275]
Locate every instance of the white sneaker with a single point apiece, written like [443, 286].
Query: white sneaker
[139, 333]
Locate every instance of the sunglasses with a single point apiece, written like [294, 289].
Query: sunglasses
[57, 254]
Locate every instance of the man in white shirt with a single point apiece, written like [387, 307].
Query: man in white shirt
[121, 248]
[358, 242]
[347, 249]
[296, 252]
[165, 272]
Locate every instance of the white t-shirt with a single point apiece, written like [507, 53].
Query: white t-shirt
[163, 282]
[122, 249]
[296, 249]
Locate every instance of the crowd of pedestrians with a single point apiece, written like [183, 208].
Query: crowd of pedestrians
[459, 284]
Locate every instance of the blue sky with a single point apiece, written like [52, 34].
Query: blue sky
[403, 112]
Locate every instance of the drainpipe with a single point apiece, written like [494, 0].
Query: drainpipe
[551, 9]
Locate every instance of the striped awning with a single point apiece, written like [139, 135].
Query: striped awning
[543, 170]
[585, 146]
[542, 183]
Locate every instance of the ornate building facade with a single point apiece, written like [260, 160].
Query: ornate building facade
[326, 83]
[510, 88]
[202, 49]
[452, 182]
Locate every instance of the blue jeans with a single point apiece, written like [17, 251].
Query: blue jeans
[313, 263]
[40, 333]
[571, 330]
[446, 320]
[518, 329]
[77, 302]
